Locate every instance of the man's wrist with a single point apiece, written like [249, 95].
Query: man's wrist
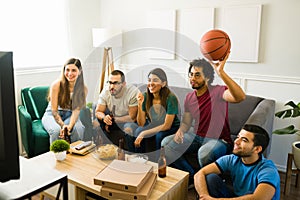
[101, 117]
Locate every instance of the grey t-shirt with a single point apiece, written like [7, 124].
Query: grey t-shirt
[123, 103]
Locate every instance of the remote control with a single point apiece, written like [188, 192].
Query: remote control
[83, 145]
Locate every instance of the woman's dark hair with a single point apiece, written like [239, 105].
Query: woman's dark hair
[261, 136]
[163, 93]
[78, 98]
[208, 70]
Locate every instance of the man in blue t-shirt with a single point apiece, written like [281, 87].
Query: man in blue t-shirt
[253, 176]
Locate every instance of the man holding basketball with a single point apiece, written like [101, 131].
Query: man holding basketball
[207, 106]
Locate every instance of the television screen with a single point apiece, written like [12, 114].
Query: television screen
[2, 153]
[9, 149]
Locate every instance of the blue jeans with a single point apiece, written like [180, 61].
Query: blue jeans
[208, 150]
[217, 187]
[53, 128]
[159, 136]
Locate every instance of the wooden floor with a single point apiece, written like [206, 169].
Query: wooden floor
[294, 193]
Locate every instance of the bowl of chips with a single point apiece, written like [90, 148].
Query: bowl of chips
[106, 152]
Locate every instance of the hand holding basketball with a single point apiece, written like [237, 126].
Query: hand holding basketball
[219, 65]
[215, 45]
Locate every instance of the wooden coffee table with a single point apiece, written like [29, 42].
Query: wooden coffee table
[81, 171]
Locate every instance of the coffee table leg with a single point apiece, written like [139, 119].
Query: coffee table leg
[79, 193]
[65, 189]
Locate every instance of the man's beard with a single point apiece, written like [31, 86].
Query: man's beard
[242, 155]
[201, 85]
[116, 92]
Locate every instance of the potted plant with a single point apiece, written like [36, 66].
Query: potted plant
[90, 106]
[60, 147]
[292, 111]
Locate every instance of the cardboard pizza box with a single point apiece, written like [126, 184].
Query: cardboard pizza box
[123, 175]
[142, 194]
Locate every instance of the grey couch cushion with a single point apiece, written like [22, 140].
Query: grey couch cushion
[238, 113]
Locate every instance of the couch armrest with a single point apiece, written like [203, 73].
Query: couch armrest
[86, 119]
[263, 116]
[25, 128]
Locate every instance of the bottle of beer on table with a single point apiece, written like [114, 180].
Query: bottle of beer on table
[162, 163]
[121, 152]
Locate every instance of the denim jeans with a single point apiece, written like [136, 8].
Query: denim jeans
[159, 136]
[53, 128]
[217, 187]
[208, 150]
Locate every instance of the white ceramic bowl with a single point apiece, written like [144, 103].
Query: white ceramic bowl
[137, 158]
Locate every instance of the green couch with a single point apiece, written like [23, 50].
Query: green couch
[35, 139]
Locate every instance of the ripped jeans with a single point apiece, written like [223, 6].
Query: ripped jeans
[53, 128]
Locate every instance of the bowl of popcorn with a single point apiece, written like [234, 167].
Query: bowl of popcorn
[106, 152]
[137, 158]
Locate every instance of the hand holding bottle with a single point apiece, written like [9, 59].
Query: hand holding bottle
[109, 119]
[65, 134]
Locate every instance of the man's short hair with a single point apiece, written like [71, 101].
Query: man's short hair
[207, 69]
[261, 136]
[118, 72]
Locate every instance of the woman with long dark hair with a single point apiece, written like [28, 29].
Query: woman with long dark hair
[67, 96]
[157, 110]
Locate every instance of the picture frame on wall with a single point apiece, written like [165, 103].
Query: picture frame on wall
[242, 24]
[163, 41]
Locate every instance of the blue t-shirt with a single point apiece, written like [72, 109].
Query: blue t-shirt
[246, 178]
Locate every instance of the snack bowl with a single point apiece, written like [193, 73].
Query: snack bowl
[137, 158]
[106, 152]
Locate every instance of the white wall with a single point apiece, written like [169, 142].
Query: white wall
[275, 76]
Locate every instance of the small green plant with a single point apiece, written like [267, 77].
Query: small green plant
[89, 105]
[292, 112]
[59, 146]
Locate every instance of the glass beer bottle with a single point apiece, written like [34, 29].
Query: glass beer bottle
[121, 152]
[162, 163]
[67, 137]
[111, 114]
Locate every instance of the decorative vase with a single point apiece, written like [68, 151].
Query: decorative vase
[61, 155]
[296, 153]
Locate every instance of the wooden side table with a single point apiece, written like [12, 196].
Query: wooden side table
[288, 174]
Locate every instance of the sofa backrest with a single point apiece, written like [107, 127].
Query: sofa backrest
[37, 97]
[26, 102]
[238, 113]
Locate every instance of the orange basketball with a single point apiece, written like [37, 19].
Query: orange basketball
[215, 45]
